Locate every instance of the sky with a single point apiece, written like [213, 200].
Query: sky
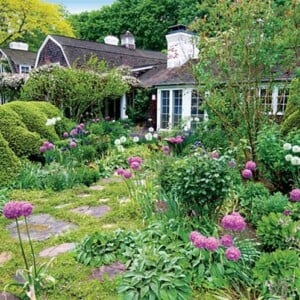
[77, 6]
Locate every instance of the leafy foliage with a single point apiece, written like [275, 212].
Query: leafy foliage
[278, 274]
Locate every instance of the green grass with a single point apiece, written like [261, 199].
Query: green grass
[72, 278]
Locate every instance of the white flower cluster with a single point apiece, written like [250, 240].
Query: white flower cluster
[12, 81]
[52, 121]
[293, 158]
[119, 142]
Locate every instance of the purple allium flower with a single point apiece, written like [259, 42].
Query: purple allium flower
[287, 212]
[13, 209]
[295, 195]
[127, 174]
[26, 208]
[227, 240]
[43, 149]
[72, 144]
[73, 132]
[250, 165]
[212, 244]
[50, 146]
[200, 241]
[247, 174]
[120, 171]
[233, 222]
[193, 235]
[166, 150]
[46, 144]
[215, 155]
[65, 135]
[132, 159]
[232, 253]
[135, 165]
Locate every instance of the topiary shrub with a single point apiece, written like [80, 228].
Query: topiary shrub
[34, 118]
[9, 163]
[21, 141]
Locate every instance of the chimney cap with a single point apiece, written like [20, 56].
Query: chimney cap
[127, 34]
[178, 28]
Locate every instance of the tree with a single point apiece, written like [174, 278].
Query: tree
[243, 43]
[75, 91]
[21, 19]
[147, 20]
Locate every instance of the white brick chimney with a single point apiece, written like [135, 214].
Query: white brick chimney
[128, 40]
[182, 46]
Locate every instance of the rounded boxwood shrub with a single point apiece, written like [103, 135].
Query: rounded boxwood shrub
[34, 118]
[9, 163]
[21, 141]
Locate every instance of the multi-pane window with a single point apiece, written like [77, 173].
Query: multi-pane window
[197, 113]
[165, 109]
[177, 107]
[2, 69]
[282, 99]
[24, 69]
[266, 99]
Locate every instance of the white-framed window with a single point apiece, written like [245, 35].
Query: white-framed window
[171, 108]
[197, 113]
[282, 98]
[266, 97]
[2, 69]
[24, 69]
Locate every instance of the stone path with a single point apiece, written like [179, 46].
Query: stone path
[4, 257]
[110, 271]
[41, 227]
[54, 251]
[8, 296]
[96, 187]
[95, 211]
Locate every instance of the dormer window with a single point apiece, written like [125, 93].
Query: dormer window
[24, 69]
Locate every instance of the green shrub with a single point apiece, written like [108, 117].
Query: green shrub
[34, 119]
[278, 274]
[9, 163]
[86, 175]
[200, 182]
[277, 231]
[261, 206]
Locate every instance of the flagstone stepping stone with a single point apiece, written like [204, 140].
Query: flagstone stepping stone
[8, 296]
[63, 205]
[4, 257]
[96, 187]
[111, 271]
[54, 251]
[83, 195]
[94, 211]
[41, 227]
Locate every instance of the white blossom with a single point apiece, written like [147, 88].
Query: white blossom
[151, 129]
[135, 139]
[117, 142]
[155, 135]
[148, 136]
[288, 157]
[296, 149]
[123, 139]
[295, 161]
[287, 146]
[120, 148]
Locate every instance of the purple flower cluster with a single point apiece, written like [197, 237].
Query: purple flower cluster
[166, 150]
[295, 195]
[46, 146]
[212, 244]
[134, 163]
[16, 209]
[175, 140]
[215, 154]
[234, 222]
[250, 166]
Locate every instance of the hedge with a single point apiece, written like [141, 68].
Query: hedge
[9, 163]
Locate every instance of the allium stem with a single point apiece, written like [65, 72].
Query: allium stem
[22, 248]
[31, 247]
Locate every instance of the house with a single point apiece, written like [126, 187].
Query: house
[67, 52]
[15, 62]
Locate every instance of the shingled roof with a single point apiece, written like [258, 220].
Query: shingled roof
[19, 57]
[79, 50]
[182, 75]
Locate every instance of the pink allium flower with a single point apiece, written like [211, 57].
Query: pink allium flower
[227, 240]
[26, 208]
[65, 134]
[178, 139]
[287, 212]
[199, 241]
[13, 209]
[212, 244]
[50, 146]
[127, 174]
[120, 171]
[193, 235]
[232, 253]
[295, 195]
[43, 149]
[72, 144]
[46, 144]
[135, 165]
[247, 174]
[73, 132]
[166, 150]
[233, 222]
[132, 159]
[215, 155]
[250, 165]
